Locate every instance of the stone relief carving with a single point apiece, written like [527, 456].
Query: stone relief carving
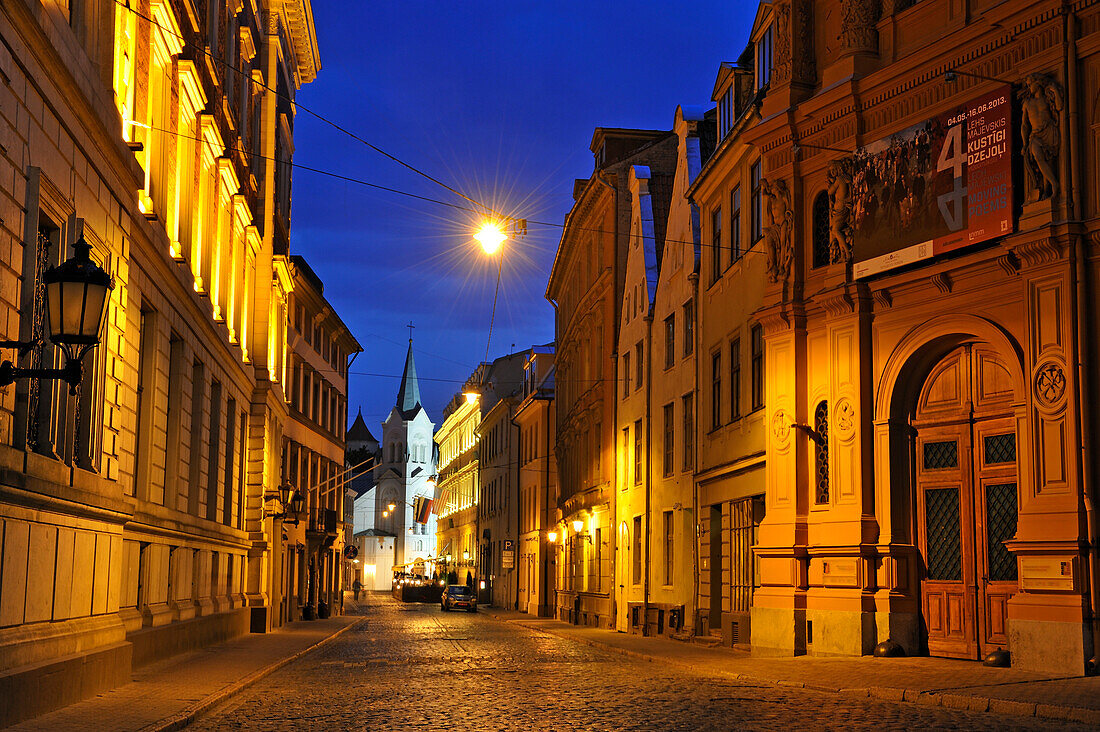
[782, 35]
[781, 426]
[777, 231]
[1050, 384]
[804, 62]
[857, 25]
[839, 179]
[845, 417]
[1041, 103]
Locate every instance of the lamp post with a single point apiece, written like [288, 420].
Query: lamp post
[290, 504]
[75, 295]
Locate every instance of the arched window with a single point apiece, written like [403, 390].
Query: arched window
[821, 453]
[821, 230]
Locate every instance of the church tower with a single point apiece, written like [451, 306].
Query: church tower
[401, 476]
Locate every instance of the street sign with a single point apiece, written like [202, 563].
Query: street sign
[507, 559]
[509, 545]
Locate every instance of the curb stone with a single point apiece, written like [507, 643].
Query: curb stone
[894, 694]
[190, 714]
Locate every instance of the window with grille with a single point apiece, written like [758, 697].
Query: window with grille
[941, 518]
[821, 453]
[821, 230]
[1000, 518]
[941, 455]
[1000, 448]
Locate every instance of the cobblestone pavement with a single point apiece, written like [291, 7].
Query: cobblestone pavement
[412, 666]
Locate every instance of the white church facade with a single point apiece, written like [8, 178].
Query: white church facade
[386, 528]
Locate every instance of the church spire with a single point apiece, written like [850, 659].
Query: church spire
[408, 398]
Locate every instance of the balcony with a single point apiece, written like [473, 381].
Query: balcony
[323, 521]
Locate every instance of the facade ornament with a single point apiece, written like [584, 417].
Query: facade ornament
[857, 25]
[1041, 103]
[804, 62]
[782, 34]
[845, 418]
[839, 179]
[777, 231]
[1050, 384]
[781, 426]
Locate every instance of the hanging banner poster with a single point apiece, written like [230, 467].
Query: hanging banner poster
[935, 187]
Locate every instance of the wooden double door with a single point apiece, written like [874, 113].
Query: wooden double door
[966, 502]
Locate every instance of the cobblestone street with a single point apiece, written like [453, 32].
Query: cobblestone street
[412, 666]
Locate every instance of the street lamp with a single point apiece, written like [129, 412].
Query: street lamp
[552, 537]
[75, 295]
[490, 236]
[290, 499]
[578, 526]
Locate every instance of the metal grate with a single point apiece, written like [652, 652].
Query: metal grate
[38, 332]
[941, 455]
[1000, 448]
[821, 452]
[941, 518]
[1000, 519]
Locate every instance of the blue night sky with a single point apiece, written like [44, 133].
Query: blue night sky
[499, 100]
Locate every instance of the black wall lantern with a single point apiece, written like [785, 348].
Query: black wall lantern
[76, 293]
[290, 499]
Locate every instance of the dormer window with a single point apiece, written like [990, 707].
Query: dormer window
[725, 113]
[763, 60]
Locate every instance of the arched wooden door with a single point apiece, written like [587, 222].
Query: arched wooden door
[966, 501]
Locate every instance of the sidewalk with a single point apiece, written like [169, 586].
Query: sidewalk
[933, 681]
[169, 694]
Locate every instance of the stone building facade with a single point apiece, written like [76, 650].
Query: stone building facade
[314, 439]
[538, 495]
[586, 289]
[931, 270]
[134, 521]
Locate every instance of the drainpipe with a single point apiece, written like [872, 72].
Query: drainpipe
[616, 309]
[1081, 332]
[648, 355]
[516, 507]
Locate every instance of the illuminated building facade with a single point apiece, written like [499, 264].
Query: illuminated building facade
[538, 493]
[586, 289]
[930, 270]
[314, 440]
[134, 516]
[456, 525]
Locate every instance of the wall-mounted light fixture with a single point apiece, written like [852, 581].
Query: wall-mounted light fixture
[291, 502]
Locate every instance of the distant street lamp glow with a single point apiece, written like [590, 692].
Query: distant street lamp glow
[490, 236]
[578, 526]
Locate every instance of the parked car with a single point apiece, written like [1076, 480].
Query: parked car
[460, 597]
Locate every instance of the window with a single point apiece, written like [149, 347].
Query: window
[212, 453]
[689, 327]
[638, 452]
[757, 367]
[764, 59]
[716, 245]
[597, 549]
[689, 432]
[143, 427]
[670, 436]
[174, 421]
[637, 558]
[597, 448]
[716, 390]
[669, 538]
[670, 340]
[626, 452]
[821, 230]
[821, 453]
[638, 365]
[735, 379]
[725, 113]
[626, 374]
[756, 212]
[735, 225]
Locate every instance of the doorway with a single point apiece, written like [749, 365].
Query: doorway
[966, 502]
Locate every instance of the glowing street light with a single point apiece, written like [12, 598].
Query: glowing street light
[578, 526]
[490, 236]
[392, 506]
[552, 536]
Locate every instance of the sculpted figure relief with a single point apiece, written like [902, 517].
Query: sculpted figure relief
[839, 178]
[1041, 105]
[777, 230]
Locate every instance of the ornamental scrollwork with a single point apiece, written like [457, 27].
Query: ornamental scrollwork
[1050, 384]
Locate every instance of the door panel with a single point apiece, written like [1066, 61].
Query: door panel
[966, 502]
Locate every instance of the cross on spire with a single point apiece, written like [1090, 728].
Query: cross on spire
[410, 326]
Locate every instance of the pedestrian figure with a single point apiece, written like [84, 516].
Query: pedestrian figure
[356, 586]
